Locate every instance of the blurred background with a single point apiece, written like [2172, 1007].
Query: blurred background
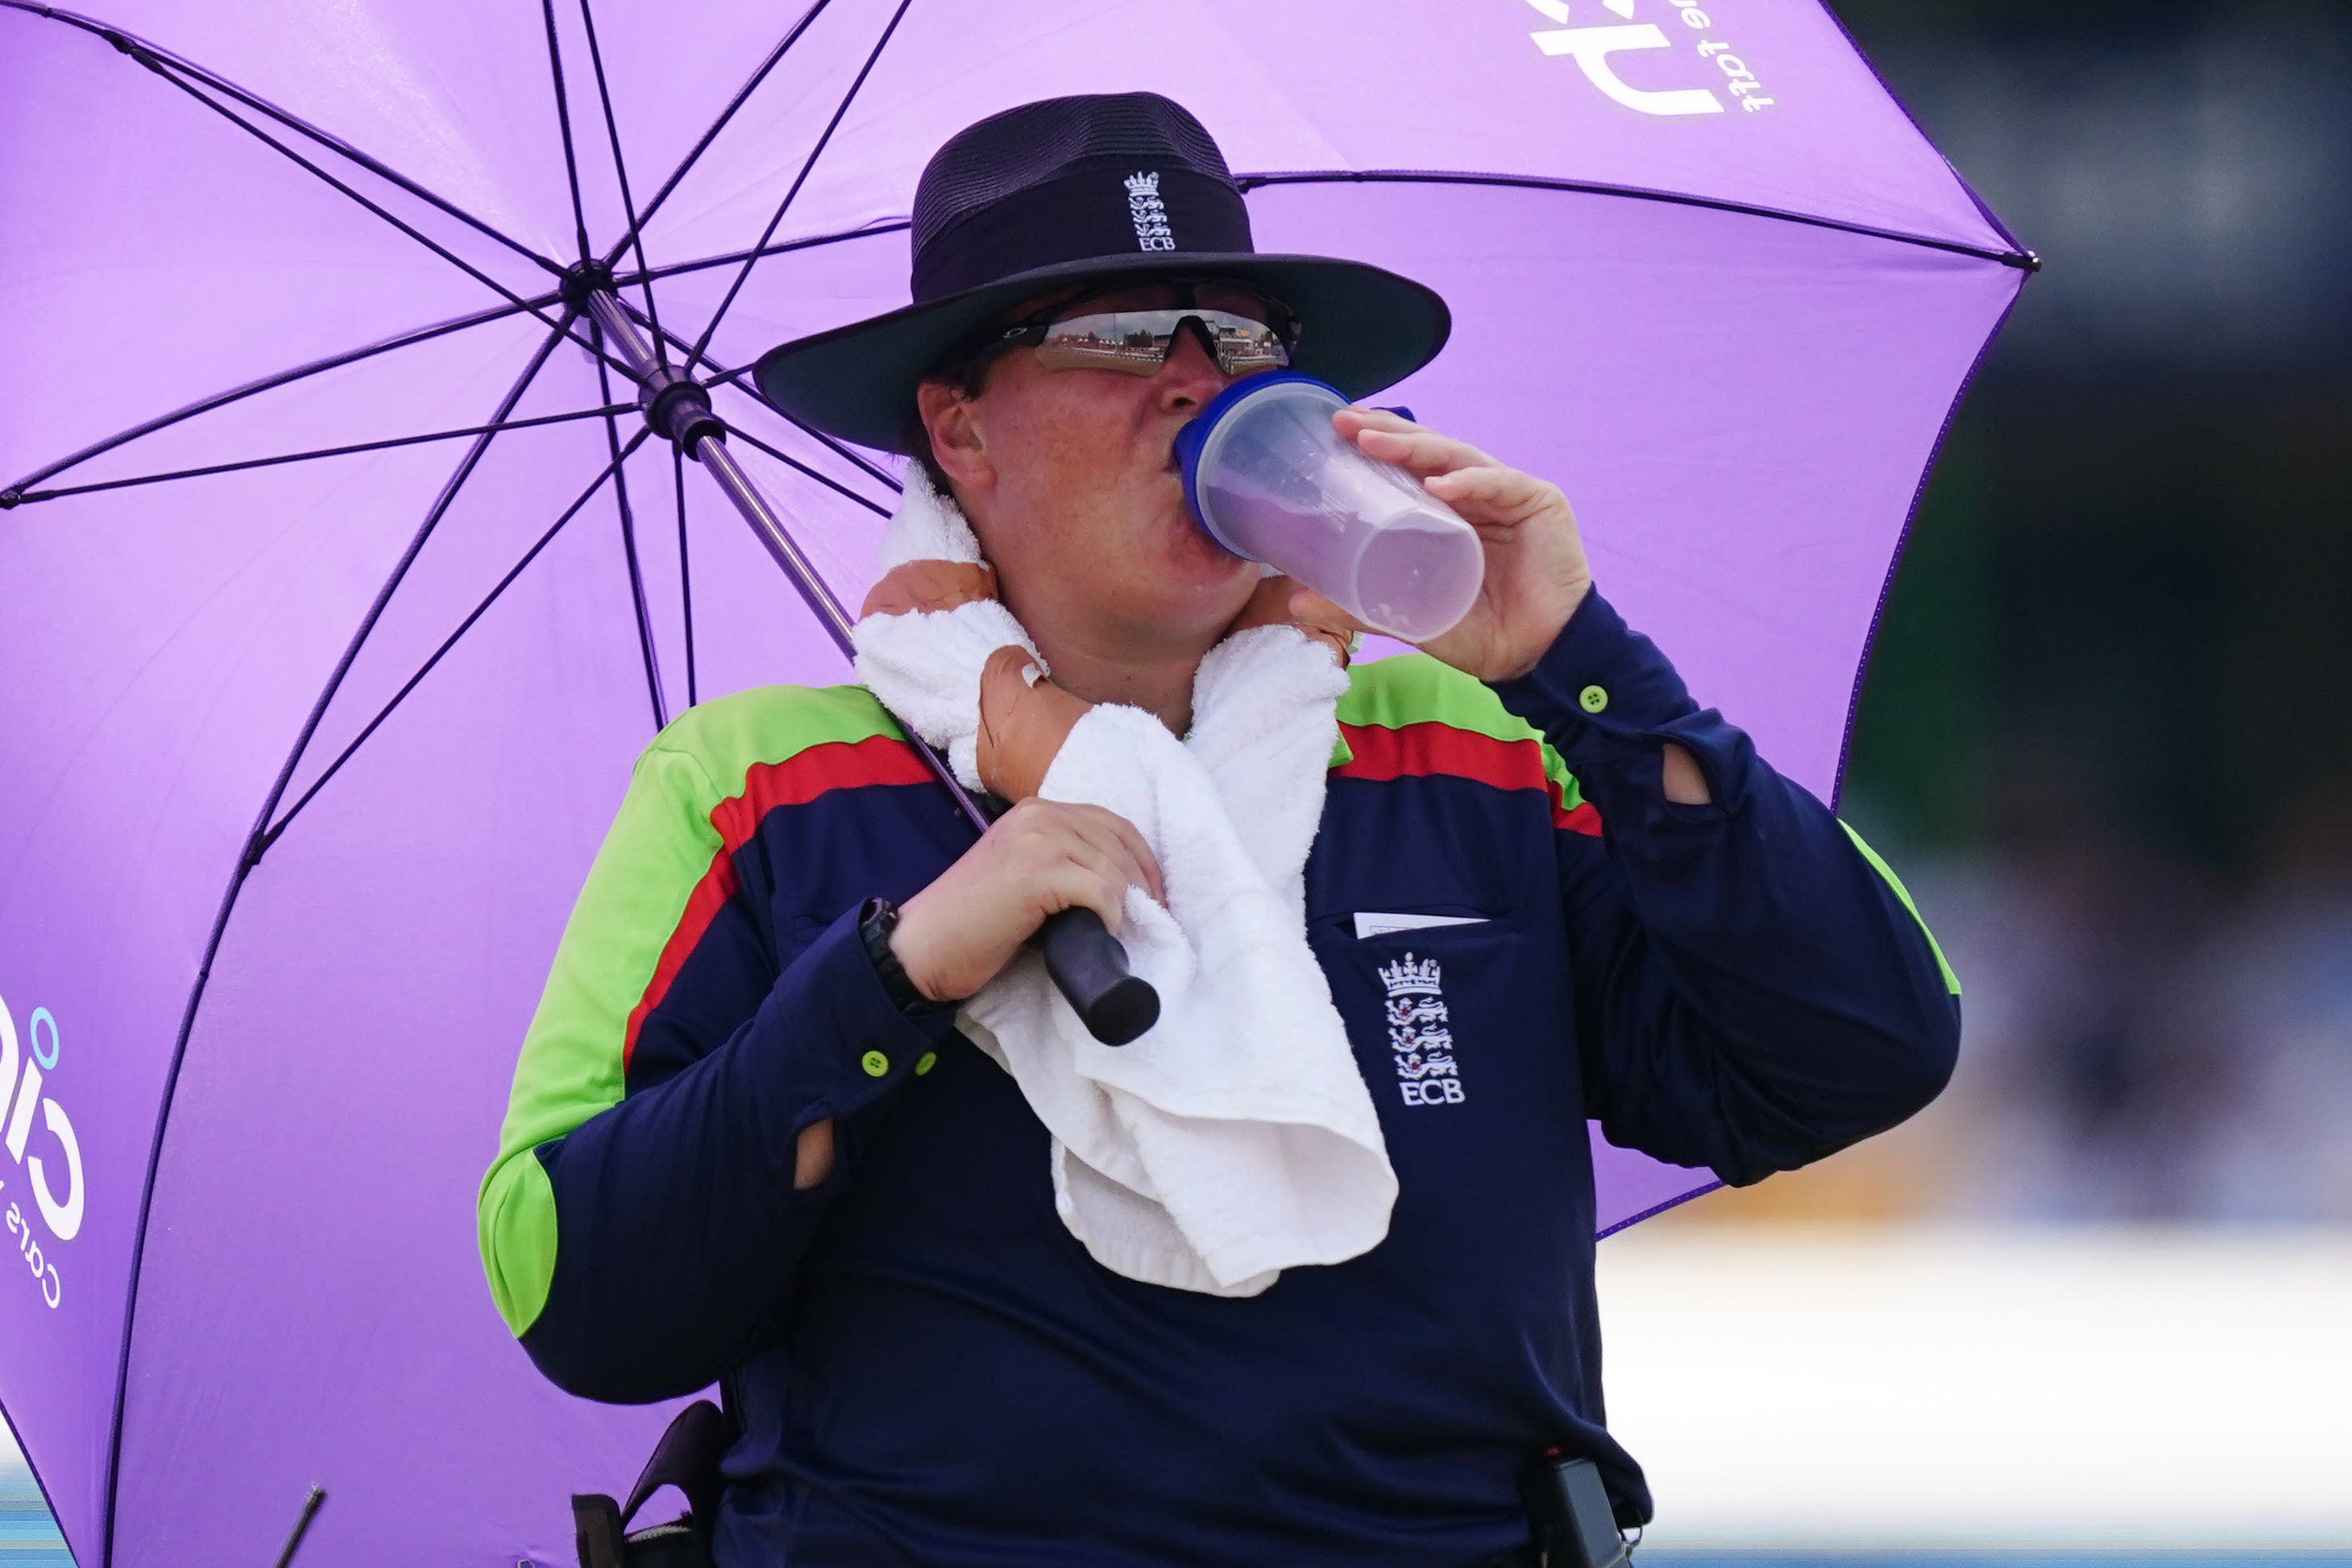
[2092, 1305]
[2104, 723]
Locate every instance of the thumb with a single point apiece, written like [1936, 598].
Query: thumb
[1312, 609]
[1023, 720]
[1306, 603]
[1318, 617]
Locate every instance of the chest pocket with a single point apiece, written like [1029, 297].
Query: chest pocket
[1445, 1017]
[1463, 1037]
[1461, 1030]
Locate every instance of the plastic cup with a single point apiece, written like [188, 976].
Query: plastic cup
[1271, 480]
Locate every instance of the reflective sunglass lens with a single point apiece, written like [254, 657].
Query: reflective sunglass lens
[1137, 342]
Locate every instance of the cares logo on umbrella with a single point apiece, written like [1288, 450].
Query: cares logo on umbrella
[20, 1098]
[1591, 47]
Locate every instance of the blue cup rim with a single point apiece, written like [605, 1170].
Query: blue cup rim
[1196, 434]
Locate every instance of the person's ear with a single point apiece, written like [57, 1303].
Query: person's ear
[956, 444]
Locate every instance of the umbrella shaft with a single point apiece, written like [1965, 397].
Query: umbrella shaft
[712, 454]
[622, 334]
[711, 451]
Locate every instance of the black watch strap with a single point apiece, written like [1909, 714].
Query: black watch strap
[876, 920]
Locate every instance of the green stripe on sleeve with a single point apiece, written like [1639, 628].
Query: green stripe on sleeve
[514, 1219]
[772, 724]
[1415, 689]
[660, 846]
[1951, 981]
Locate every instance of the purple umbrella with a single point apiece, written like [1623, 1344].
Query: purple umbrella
[339, 581]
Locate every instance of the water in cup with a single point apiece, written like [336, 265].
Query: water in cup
[1271, 479]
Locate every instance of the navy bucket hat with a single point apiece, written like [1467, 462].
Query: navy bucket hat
[1078, 189]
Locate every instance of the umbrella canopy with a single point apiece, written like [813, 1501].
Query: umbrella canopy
[306, 760]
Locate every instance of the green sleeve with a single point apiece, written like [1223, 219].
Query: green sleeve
[657, 857]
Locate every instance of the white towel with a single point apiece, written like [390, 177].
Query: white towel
[1236, 1138]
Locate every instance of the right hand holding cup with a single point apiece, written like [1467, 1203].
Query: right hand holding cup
[1536, 571]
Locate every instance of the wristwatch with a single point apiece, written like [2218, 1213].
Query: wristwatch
[876, 919]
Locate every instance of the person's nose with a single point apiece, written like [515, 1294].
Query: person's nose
[1191, 376]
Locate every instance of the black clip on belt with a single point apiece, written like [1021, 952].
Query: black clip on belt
[1570, 1524]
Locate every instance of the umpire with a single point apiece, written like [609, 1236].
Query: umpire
[747, 1145]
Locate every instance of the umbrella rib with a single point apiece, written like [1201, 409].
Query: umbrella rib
[728, 379]
[440, 508]
[28, 497]
[741, 95]
[1920, 131]
[248, 857]
[270, 384]
[702, 340]
[837, 448]
[2025, 259]
[563, 122]
[1657, 1209]
[738, 433]
[685, 571]
[438, 249]
[629, 552]
[1894, 561]
[131, 45]
[423, 334]
[728, 259]
[621, 173]
[263, 842]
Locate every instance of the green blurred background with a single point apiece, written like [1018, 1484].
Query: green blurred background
[2104, 728]
[2090, 1305]
[2131, 561]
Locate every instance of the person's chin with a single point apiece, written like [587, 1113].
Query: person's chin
[1195, 559]
[1187, 579]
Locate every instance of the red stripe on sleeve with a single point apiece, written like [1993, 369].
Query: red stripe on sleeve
[1417, 750]
[1578, 818]
[797, 780]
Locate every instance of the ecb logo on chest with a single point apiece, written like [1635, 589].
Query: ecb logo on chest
[1420, 1033]
[24, 1098]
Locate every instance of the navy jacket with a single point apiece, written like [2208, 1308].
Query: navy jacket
[928, 1369]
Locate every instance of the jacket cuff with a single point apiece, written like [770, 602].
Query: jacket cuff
[1599, 684]
[851, 1045]
[1606, 698]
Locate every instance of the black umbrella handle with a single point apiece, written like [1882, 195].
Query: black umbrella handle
[1090, 967]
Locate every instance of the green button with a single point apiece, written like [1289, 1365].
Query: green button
[1593, 700]
[926, 1062]
[875, 1063]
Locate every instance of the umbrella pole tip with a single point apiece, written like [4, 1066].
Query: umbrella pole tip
[317, 1495]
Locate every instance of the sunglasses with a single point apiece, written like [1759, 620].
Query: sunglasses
[1257, 333]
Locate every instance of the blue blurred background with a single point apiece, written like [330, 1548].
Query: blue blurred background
[2090, 1307]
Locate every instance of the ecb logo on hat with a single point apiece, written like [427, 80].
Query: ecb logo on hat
[1143, 206]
